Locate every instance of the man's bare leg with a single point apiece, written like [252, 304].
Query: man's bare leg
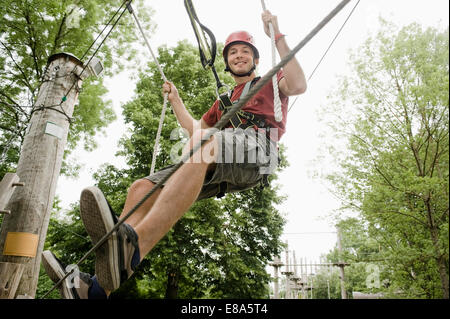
[179, 193]
[137, 191]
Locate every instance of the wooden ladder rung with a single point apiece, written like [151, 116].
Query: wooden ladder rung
[7, 186]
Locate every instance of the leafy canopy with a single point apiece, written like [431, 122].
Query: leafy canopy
[33, 30]
[392, 113]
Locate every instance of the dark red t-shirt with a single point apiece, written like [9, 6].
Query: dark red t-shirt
[261, 103]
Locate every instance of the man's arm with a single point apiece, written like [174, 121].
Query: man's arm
[203, 124]
[294, 81]
[184, 118]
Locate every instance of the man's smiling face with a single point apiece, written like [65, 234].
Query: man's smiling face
[240, 58]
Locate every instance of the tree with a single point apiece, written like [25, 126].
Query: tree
[33, 30]
[393, 113]
[327, 283]
[366, 265]
[220, 248]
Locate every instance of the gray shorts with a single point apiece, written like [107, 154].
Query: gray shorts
[244, 158]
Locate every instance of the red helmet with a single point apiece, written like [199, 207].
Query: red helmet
[240, 37]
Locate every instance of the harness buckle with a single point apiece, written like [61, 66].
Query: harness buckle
[228, 92]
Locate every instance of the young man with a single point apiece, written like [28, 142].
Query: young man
[215, 172]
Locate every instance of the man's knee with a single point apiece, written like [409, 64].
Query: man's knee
[140, 186]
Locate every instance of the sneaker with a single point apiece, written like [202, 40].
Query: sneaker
[56, 270]
[117, 258]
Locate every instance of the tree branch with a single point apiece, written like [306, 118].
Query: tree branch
[58, 34]
[27, 83]
[32, 42]
[409, 129]
[375, 162]
[406, 215]
[390, 108]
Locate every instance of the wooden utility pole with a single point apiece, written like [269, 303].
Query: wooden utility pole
[295, 278]
[276, 266]
[341, 265]
[288, 275]
[24, 229]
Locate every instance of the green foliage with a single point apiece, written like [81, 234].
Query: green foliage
[395, 171]
[45, 284]
[327, 284]
[69, 241]
[33, 30]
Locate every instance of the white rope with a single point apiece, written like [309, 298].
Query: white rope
[276, 94]
[158, 134]
[163, 112]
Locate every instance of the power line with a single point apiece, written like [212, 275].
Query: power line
[311, 233]
[90, 59]
[107, 24]
[99, 46]
[328, 49]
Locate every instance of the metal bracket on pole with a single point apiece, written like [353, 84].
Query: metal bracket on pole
[7, 186]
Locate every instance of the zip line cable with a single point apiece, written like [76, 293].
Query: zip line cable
[98, 48]
[53, 107]
[131, 10]
[311, 233]
[219, 125]
[329, 47]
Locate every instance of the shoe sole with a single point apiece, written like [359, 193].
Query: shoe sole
[55, 271]
[98, 221]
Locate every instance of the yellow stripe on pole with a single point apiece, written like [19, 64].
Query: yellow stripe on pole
[21, 244]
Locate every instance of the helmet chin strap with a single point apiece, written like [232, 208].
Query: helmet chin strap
[228, 69]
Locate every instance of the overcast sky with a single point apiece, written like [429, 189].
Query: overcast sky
[309, 205]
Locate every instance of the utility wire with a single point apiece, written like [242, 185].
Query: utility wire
[107, 24]
[96, 50]
[53, 107]
[328, 49]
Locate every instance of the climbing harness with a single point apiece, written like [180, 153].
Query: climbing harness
[242, 119]
[207, 52]
[163, 112]
[276, 93]
[218, 126]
